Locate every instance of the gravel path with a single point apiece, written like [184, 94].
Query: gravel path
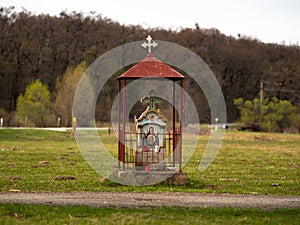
[157, 199]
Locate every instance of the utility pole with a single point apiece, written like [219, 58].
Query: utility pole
[261, 99]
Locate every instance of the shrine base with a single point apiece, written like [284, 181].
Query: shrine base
[142, 178]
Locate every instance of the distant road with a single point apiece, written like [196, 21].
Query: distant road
[61, 129]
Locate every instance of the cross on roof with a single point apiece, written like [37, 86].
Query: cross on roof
[149, 44]
[151, 100]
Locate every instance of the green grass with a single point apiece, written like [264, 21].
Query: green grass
[253, 163]
[247, 163]
[250, 163]
[37, 214]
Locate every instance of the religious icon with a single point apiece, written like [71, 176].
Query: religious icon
[151, 138]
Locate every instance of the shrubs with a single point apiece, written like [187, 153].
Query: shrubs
[272, 115]
[33, 108]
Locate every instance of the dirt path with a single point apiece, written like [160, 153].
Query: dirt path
[136, 200]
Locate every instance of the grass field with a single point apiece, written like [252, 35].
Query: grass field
[36, 214]
[248, 163]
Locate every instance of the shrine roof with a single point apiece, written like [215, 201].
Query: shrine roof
[151, 67]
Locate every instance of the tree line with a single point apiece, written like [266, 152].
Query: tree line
[44, 48]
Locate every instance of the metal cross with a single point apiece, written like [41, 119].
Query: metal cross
[151, 100]
[149, 44]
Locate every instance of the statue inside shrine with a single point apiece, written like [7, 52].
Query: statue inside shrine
[151, 129]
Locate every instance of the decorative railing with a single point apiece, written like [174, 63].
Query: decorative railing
[132, 154]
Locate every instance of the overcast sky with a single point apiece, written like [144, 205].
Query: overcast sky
[267, 20]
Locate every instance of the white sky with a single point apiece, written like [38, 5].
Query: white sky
[267, 20]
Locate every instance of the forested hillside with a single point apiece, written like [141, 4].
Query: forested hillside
[43, 47]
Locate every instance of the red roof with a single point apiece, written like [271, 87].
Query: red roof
[151, 67]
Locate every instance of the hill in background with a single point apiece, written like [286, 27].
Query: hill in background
[43, 46]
